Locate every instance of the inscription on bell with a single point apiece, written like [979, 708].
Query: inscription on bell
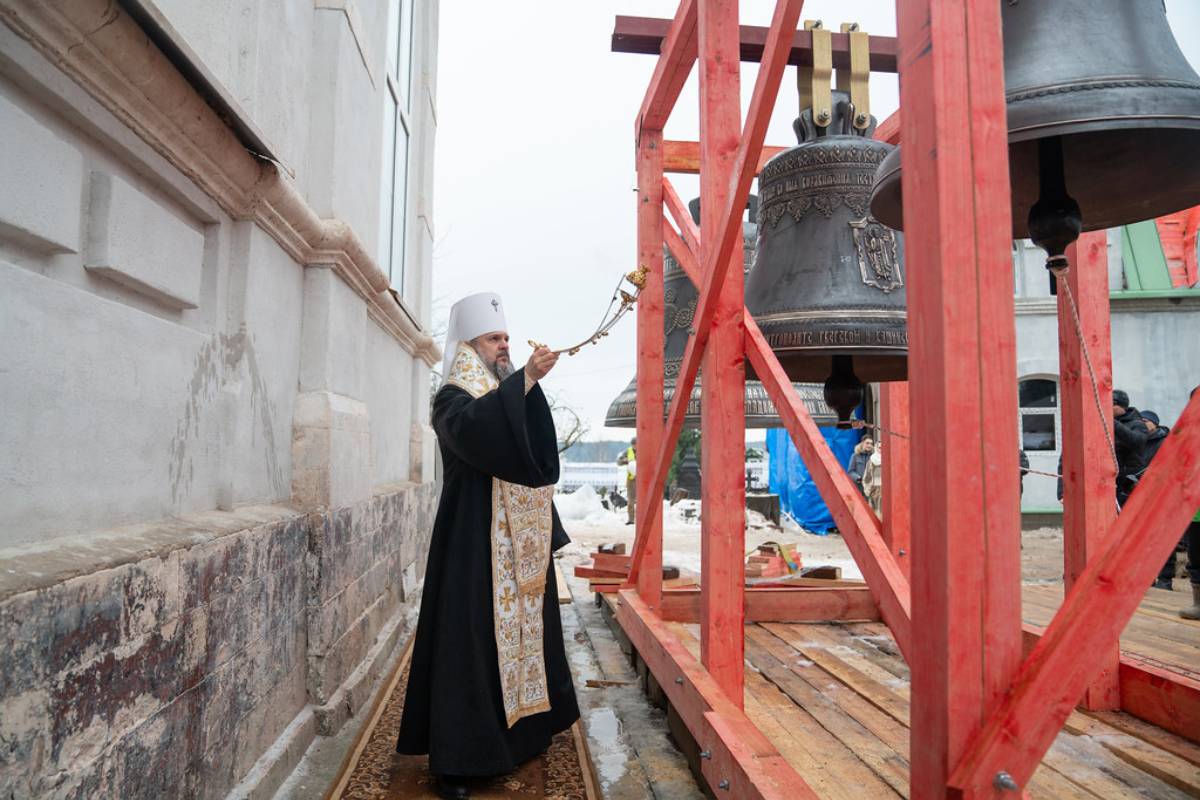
[845, 337]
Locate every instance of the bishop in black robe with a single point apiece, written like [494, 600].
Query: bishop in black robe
[453, 709]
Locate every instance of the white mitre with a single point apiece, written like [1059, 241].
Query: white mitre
[473, 316]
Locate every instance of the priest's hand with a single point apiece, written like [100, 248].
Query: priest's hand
[540, 363]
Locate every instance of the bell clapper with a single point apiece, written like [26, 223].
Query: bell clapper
[1055, 220]
[843, 390]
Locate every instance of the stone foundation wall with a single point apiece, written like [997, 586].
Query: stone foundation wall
[177, 660]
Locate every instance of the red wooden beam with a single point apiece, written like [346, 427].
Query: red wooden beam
[897, 495]
[722, 410]
[860, 527]
[677, 54]
[889, 130]
[805, 604]
[962, 376]
[1092, 616]
[1089, 473]
[687, 226]
[717, 263]
[740, 754]
[684, 157]
[650, 351]
[1162, 697]
[646, 35]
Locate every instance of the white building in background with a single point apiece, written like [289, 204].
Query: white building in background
[218, 470]
[1154, 356]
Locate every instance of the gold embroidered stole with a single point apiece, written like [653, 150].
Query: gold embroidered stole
[520, 540]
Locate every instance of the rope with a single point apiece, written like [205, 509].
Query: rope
[1060, 273]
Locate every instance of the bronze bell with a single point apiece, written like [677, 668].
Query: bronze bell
[679, 299]
[1103, 120]
[827, 287]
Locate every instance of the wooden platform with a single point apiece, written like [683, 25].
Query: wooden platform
[834, 700]
[1156, 634]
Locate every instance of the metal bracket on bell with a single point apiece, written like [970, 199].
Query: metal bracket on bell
[815, 82]
[857, 83]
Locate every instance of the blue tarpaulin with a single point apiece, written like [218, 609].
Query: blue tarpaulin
[790, 479]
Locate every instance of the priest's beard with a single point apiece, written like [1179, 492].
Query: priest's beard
[502, 369]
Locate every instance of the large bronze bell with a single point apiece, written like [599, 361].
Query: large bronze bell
[1103, 120]
[827, 287]
[680, 297]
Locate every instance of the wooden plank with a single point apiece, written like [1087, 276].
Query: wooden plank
[564, 591]
[650, 357]
[781, 605]
[694, 693]
[617, 562]
[882, 697]
[870, 764]
[722, 411]
[1167, 699]
[1089, 472]
[1149, 758]
[645, 35]
[1090, 765]
[1151, 734]
[962, 375]
[688, 229]
[1095, 611]
[676, 49]
[683, 158]
[897, 476]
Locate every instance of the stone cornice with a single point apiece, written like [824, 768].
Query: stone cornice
[1119, 303]
[104, 50]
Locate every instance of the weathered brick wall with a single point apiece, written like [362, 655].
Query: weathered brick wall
[169, 665]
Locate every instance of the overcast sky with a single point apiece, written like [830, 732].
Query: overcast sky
[534, 173]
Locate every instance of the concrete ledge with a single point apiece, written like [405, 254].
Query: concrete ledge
[275, 765]
[355, 693]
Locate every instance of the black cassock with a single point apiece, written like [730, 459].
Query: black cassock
[453, 709]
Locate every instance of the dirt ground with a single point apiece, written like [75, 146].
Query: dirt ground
[1041, 549]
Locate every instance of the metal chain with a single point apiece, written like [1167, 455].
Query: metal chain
[1060, 275]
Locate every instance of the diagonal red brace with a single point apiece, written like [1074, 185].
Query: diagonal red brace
[859, 526]
[766, 88]
[1091, 618]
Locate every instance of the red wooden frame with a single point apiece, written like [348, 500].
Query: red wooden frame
[979, 706]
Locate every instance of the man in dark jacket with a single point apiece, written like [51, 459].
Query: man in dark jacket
[1158, 433]
[1130, 436]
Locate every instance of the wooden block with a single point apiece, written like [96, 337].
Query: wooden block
[585, 571]
[614, 548]
[564, 592]
[823, 572]
[613, 561]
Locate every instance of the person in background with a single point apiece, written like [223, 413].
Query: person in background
[1130, 436]
[859, 460]
[628, 460]
[1025, 470]
[1157, 433]
[1193, 552]
[872, 479]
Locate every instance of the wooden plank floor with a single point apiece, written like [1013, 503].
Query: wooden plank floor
[1156, 633]
[834, 700]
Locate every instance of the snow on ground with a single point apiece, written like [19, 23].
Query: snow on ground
[589, 525]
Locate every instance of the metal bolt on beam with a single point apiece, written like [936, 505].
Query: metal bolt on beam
[706, 754]
[1005, 781]
[724, 784]
[679, 681]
